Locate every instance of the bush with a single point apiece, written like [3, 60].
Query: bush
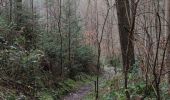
[85, 60]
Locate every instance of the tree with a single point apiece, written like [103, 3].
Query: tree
[47, 15]
[61, 38]
[167, 14]
[32, 11]
[10, 10]
[18, 11]
[99, 41]
[126, 23]
[69, 34]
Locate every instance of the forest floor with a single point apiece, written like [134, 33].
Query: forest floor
[80, 93]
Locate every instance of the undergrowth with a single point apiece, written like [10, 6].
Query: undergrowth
[113, 89]
[62, 88]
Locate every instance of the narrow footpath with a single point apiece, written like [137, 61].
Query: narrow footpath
[84, 90]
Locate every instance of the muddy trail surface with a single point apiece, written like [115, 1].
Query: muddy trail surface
[87, 88]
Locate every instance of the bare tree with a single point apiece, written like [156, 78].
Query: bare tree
[32, 11]
[69, 34]
[167, 14]
[47, 15]
[99, 41]
[61, 39]
[126, 22]
[10, 10]
[18, 11]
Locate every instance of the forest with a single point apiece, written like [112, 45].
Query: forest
[84, 50]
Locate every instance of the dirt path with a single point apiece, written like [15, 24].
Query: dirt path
[79, 94]
[84, 90]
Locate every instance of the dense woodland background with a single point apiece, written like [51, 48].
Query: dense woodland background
[84, 50]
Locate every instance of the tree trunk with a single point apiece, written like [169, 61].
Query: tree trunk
[32, 11]
[126, 39]
[10, 10]
[167, 14]
[18, 11]
[69, 36]
[61, 39]
[47, 16]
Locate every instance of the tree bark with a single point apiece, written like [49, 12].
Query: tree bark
[10, 10]
[61, 39]
[167, 14]
[126, 39]
[18, 11]
[47, 16]
[69, 36]
[32, 11]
